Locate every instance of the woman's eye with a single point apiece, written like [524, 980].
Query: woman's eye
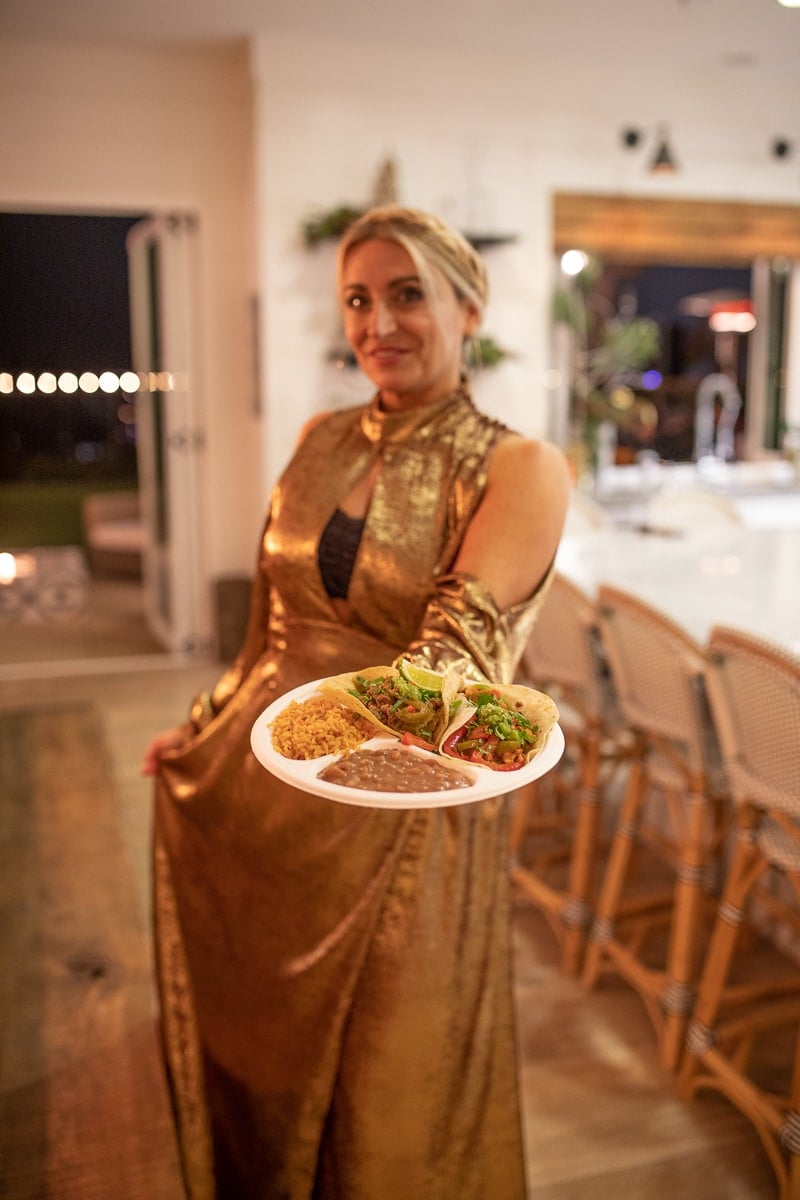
[411, 294]
[355, 302]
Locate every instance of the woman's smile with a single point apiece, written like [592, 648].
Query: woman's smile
[386, 355]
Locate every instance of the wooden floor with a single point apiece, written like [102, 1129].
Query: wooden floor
[107, 620]
[83, 1111]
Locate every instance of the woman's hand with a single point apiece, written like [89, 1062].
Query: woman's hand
[513, 537]
[169, 739]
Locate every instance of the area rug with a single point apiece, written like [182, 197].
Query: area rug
[83, 1108]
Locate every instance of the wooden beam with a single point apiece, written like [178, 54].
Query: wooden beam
[638, 229]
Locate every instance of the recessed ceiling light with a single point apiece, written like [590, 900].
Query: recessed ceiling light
[790, 3]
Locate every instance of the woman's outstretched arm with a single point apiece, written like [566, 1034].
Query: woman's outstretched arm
[513, 537]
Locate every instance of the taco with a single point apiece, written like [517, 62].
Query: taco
[403, 700]
[499, 727]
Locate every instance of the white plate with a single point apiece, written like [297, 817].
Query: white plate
[303, 774]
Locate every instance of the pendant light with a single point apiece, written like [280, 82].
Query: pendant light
[663, 161]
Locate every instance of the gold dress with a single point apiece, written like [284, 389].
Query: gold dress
[335, 981]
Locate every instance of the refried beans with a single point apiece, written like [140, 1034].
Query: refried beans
[394, 770]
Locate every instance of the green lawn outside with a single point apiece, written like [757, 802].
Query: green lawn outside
[45, 514]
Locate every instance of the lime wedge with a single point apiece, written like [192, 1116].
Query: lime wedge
[421, 677]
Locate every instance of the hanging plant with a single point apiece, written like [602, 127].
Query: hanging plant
[483, 352]
[329, 225]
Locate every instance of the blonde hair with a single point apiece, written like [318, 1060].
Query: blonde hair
[429, 242]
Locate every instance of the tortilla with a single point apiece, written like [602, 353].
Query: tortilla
[537, 708]
[401, 708]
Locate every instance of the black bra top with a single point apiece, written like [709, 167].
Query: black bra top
[336, 554]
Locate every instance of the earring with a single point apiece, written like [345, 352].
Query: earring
[349, 380]
[472, 354]
[343, 359]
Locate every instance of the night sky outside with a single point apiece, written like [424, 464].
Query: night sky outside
[63, 293]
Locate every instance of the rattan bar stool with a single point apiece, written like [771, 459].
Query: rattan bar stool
[754, 691]
[554, 826]
[662, 864]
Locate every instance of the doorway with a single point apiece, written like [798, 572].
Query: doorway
[68, 442]
[749, 250]
[685, 302]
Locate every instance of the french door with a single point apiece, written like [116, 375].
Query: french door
[162, 265]
[774, 377]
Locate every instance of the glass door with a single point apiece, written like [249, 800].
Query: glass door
[162, 256]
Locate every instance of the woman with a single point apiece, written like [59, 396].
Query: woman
[335, 981]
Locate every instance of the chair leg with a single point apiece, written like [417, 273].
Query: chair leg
[524, 800]
[745, 868]
[790, 1134]
[532, 881]
[677, 997]
[706, 1063]
[576, 913]
[622, 845]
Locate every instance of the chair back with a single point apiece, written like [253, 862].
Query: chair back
[657, 670]
[562, 652]
[754, 691]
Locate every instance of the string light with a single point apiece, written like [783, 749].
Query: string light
[47, 383]
[89, 382]
[109, 382]
[129, 381]
[68, 383]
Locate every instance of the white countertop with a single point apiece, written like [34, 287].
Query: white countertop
[765, 493]
[744, 577]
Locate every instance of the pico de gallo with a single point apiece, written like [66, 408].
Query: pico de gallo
[495, 736]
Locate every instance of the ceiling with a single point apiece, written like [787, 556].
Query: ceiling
[758, 40]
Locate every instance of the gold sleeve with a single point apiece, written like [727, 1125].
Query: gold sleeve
[463, 624]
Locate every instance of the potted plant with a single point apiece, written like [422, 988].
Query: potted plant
[609, 349]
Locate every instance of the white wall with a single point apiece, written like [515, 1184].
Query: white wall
[484, 142]
[105, 129]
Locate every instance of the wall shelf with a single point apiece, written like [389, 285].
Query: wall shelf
[486, 241]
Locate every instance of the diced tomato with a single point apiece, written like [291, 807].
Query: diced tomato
[411, 739]
[450, 747]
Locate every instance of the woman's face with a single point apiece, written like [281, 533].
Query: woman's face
[407, 343]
